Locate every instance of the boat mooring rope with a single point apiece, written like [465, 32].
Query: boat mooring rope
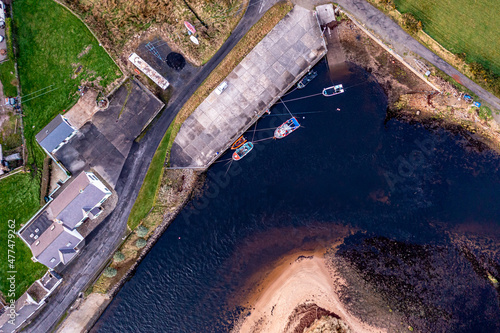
[286, 107]
[296, 99]
[272, 137]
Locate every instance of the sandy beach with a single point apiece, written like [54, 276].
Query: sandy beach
[299, 283]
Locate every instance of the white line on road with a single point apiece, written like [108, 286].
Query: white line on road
[262, 3]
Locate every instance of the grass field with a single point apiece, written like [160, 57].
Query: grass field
[19, 200]
[52, 62]
[461, 26]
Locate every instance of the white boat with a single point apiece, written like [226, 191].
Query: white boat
[333, 90]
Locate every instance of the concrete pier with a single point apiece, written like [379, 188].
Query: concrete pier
[266, 73]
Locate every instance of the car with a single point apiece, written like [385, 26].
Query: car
[1, 38]
[221, 87]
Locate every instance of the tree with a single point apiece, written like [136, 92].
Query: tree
[140, 243]
[118, 256]
[109, 272]
[141, 231]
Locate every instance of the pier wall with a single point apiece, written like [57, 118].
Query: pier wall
[291, 49]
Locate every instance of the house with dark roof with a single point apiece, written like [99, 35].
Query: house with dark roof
[52, 235]
[29, 303]
[55, 134]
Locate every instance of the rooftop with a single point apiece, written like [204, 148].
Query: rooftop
[54, 133]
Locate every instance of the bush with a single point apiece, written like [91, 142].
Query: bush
[118, 256]
[109, 272]
[485, 113]
[141, 231]
[140, 243]
[411, 23]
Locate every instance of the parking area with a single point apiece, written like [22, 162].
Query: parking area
[171, 65]
[104, 143]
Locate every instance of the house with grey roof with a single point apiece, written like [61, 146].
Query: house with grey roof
[55, 134]
[18, 313]
[52, 235]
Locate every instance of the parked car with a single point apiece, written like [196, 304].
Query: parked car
[10, 101]
[221, 87]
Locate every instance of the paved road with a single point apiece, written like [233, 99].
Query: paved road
[389, 31]
[102, 241]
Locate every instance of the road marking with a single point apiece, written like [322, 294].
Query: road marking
[262, 3]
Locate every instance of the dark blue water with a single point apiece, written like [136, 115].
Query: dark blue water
[349, 167]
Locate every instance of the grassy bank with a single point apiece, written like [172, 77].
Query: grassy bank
[117, 22]
[7, 69]
[19, 200]
[147, 194]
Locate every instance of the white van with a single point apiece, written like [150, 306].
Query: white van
[221, 87]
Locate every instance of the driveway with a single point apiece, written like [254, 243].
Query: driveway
[104, 143]
[103, 241]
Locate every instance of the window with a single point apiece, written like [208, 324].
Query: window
[69, 244]
[36, 237]
[37, 242]
[31, 235]
[52, 228]
[37, 230]
[53, 259]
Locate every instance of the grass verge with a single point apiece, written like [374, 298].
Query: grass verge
[147, 194]
[7, 69]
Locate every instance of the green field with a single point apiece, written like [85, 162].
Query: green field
[19, 200]
[50, 42]
[461, 26]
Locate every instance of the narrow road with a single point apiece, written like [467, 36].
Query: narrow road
[389, 31]
[104, 239]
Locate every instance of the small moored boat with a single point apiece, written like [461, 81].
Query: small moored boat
[190, 27]
[238, 143]
[286, 128]
[306, 79]
[242, 151]
[333, 90]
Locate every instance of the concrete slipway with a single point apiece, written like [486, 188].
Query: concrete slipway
[267, 72]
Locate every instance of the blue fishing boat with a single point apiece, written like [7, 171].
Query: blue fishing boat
[333, 90]
[242, 151]
[306, 79]
[286, 128]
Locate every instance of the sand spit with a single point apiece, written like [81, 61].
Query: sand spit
[300, 285]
